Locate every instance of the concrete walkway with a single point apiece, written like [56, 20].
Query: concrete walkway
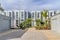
[51, 35]
[31, 34]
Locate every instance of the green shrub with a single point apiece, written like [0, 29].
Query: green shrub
[40, 27]
[42, 23]
[20, 25]
[37, 27]
[48, 26]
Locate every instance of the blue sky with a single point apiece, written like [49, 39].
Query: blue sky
[30, 4]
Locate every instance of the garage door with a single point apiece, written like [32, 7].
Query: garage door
[53, 24]
[4, 24]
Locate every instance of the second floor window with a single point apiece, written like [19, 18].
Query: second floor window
[51, 14]
[32, 15]
[21, 14]
[38, 15]
[16, 14]
[13, 14]
[10, 14]
[25, 15]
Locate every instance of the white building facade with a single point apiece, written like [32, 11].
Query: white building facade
[35, 15]
[18, 16]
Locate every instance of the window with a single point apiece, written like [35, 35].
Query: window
[9, 14]
[5, 13]
[38, 15]
[17, 23]
[32, 15]
[21, 14]
[51, 14]
[16, 14]
[29, 15]
[25, 15]
[13, 15]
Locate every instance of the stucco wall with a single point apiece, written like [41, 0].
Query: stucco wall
[4, 23]
[55, 23]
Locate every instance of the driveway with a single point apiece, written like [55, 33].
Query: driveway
[31, 34]
[12, 34]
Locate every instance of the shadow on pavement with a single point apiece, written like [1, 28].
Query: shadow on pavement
[16, 34]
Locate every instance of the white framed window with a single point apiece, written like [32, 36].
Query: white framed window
[16, 14]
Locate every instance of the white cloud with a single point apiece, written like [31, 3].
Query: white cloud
[29, 4]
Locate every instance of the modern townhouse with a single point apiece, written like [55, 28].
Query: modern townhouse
[10, 14]
[35, 15]
[19, 16]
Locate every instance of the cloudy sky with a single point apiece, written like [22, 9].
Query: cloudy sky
[30, 4]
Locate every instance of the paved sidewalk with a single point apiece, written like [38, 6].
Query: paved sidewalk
[52, 35]
[33, 34]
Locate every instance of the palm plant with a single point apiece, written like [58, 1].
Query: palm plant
[28, 21]
[44, 14]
